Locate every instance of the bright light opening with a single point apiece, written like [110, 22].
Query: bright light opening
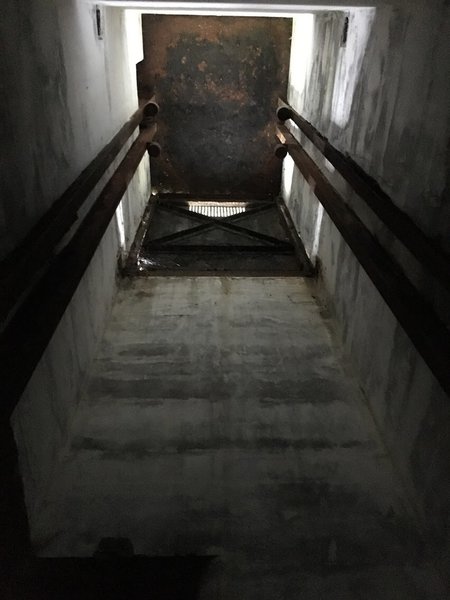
[349, 64]
[301, 59]
[217, 210]
[317, 230]
[120, 221]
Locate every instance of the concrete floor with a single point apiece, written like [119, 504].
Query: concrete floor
[219, 421]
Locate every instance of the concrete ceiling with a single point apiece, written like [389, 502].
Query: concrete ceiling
[286, 8]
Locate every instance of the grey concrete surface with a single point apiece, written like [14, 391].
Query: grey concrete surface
[383, 98]
[276, 8]
[65, 94]
[220, 421]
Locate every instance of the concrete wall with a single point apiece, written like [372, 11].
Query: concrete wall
[383, 98]
[65, 93]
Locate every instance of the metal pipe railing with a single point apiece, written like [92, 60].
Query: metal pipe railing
[417, 317]
[18, 270]
[27, 334]
[424, 249]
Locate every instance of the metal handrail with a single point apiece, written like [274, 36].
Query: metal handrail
[27, 334]
[418, 318]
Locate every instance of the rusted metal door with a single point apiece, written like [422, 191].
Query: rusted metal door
[217, 80]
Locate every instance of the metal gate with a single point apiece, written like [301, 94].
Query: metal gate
[186, 236]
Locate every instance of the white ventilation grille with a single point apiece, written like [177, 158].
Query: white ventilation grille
[217, 210]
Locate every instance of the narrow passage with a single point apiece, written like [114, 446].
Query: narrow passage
[219, 422]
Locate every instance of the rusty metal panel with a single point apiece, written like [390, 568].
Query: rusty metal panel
[217, 81]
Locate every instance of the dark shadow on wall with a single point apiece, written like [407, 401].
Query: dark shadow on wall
[131, 578]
